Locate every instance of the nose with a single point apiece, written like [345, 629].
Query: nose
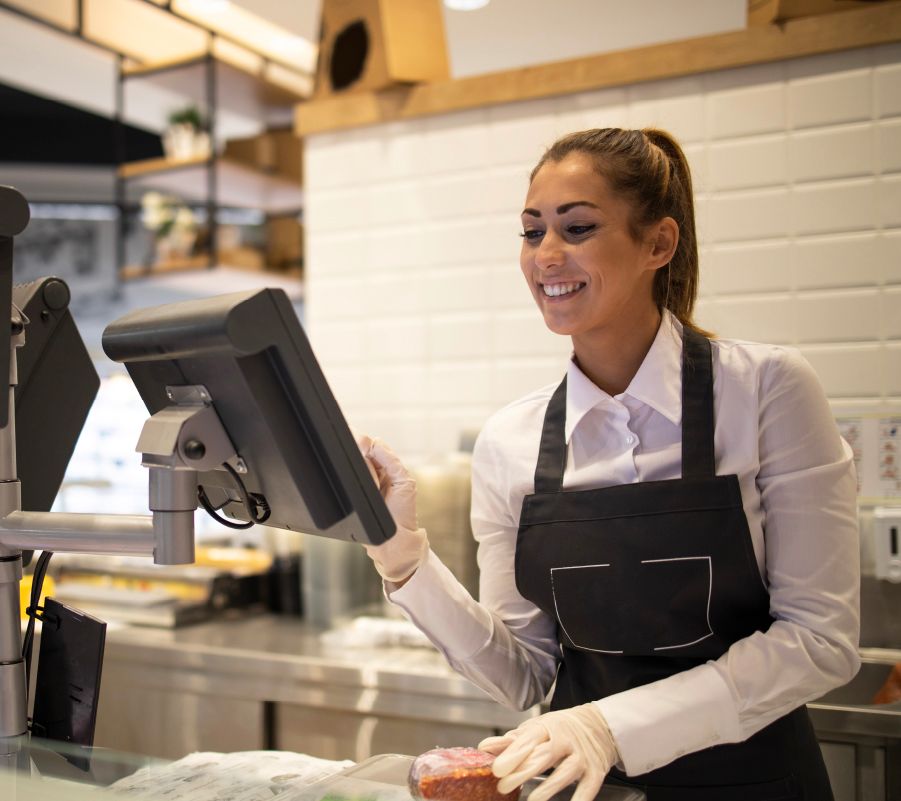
[549, 252]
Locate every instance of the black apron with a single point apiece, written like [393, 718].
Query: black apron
[650, 579]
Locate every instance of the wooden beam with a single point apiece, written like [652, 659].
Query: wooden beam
[879, 23]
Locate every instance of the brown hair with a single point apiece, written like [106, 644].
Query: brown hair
[650, 168]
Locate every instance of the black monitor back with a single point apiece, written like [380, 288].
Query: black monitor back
[57, 384]
[249, 351]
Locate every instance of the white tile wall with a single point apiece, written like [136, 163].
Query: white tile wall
[416, 307]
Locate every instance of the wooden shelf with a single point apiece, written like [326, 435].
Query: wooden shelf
[249, 93]
[876, 23]
[237, 185]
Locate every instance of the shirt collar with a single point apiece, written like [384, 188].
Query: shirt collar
[658, 382]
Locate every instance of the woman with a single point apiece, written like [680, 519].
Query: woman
[668, 536]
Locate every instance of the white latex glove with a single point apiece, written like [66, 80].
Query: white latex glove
[576, 740]
[395, 559]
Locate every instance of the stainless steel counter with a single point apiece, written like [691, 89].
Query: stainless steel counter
[270, 682]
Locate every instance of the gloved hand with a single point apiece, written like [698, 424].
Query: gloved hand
[576, 740]
[396, 559]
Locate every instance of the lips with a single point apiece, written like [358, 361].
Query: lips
[561, 289]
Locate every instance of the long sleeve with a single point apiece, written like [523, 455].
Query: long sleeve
[503, 644]
[807, 497]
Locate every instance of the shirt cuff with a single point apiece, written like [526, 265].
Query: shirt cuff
[662, 721]
[442, 608]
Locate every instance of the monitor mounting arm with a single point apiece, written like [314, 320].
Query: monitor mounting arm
[176, 442]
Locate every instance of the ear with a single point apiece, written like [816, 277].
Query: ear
[663, 239]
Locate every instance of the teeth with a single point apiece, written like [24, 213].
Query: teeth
[555, 290]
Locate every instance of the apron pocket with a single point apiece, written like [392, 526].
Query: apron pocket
[655, 606]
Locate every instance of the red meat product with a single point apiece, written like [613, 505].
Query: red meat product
[456, 774]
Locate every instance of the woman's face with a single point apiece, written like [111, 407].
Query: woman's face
[586, 271]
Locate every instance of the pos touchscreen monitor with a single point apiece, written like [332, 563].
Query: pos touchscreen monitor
[248, 350]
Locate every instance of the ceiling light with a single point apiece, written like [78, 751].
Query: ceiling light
[465, 5]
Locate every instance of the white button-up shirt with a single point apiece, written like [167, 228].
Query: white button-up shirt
[775, 431]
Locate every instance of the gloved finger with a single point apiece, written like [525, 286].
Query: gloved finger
[565, 774]
[518, 751]
[589, 786]
[364, 443]
[494, 745]
[541, 758]
[389, 461]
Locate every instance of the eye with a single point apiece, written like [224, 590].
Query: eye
[580, 230]
[532, 234]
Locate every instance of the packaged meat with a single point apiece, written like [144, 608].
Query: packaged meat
[456, 774]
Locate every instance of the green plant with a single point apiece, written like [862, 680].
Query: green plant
[189, 115]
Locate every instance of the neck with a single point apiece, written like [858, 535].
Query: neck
[611, 356]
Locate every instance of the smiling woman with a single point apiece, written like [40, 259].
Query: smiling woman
[668, 537]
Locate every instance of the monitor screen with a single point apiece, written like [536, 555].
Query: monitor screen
[251, 354]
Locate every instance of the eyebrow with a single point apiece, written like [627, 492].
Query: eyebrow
[562, 209]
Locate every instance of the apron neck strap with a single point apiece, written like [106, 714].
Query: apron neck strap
[697, 420]
[552, 452]
[697, 406]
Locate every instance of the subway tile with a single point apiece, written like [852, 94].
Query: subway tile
[706, 314]
[333, 298]
[837, 152]
[891, 312]
[889, 190]
[748, 216]
[706, 271]
[890, 256]
[507, 287]
[348, 384]
[519, 133]
[514, 378]
[458, 336]
[339, 342]
[750, 267]
[838, 316]
[847, 370]
[523, 333]
[393, 294]
[699, 165]
[456, 195]
[332, 209]
[765, 318]
[837, 260]
[604, 108]
[476, 240]
[830, 99]
[397, 247]
[887, 80]
[336, 253]
[891, 368]
[459, 382]
[747, 163]
[504, 189]
[394, 203]
[456, 142]
[391, 341]
[400, 150]
[888, 145]
[703, 232]
[746, 110]
[676, 106]
[404, 429]
[833, 207]
[452, 289]
[399, 385]
[449, 425]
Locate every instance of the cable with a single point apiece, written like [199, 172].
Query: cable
[34, 613]
[255, 504]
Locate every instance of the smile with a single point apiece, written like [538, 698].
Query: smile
[557, 290]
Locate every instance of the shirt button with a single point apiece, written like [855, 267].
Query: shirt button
[630, 439]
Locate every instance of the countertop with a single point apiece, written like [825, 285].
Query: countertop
[281, 659]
